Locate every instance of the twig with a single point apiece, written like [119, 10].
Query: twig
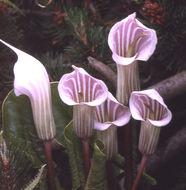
[168, 88]
[105, 70]
[172, 87]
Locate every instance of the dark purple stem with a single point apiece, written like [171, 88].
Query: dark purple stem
[110, 179]
[128, 156]
[141, 167]
[48, 151]
[86, 156]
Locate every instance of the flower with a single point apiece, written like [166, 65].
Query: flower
[83, 92]
[149, 107]
[108, 115]
[129, 41]
[31, 79]
[111, 112]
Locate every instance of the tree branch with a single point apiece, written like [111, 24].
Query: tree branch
[105, 70]
[171, 152]
[168, 88]
[172, 87]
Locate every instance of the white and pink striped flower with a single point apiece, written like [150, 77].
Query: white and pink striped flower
[111, 112]
[130, 41]
[108, 116]
[131, 33]
[31, 79]
[149, 107]
[83, 92]
[147, 102]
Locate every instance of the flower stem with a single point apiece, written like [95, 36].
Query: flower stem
[48, 151]
[110, 179]
[141, 167]
[127, 81]
[86, 156]
[128, 156]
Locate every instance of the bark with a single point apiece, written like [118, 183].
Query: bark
[172, 87]
[103, 69]
[166, 155]
[168, 88]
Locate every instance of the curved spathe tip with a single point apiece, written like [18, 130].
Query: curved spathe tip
[78, 87]
[31, 79]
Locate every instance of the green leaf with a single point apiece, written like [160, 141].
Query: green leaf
[18, 122]
[120, 161]
[74, 147]
[100, 166]
[149, 178]
[20, 134]
[97, 178]
[118, 166]
[36, 180]
[62, 113]
[18, 127]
